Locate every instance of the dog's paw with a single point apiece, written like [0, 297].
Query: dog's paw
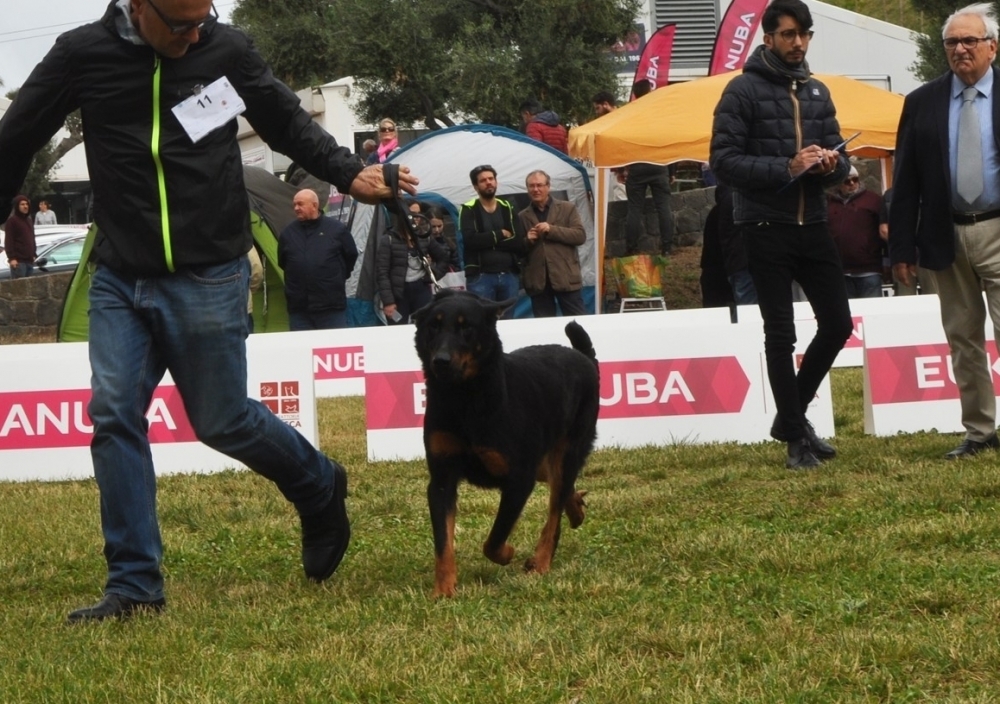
[575, 509]
[446, 590]
[537, 565]
[502, 555]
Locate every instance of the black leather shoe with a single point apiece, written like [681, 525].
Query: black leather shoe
[968, 448]
[821, 448]
[325, 535]
[801, 455]
[115, 606]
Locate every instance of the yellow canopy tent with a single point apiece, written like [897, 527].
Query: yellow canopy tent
[674, 123]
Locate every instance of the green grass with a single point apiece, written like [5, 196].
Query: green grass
[702, 574]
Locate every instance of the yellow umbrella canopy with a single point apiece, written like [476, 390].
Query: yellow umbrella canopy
[674, 123]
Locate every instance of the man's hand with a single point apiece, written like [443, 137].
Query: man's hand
[883, 232]
[369, 185]
[822, 161]
[507, 234]
[905, 273]
[13, 263]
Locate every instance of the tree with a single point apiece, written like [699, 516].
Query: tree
[36, 182]
[431, 60]
[931, 60]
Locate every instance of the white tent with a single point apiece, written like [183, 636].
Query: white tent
[443, 159]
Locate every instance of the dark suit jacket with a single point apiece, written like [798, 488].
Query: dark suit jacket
[920, 212]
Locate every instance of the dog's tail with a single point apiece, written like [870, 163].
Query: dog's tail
[580, 340]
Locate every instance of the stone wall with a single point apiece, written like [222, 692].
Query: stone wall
[689, 210]
[30, 308]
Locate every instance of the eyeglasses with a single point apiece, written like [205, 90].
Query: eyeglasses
[969, 43]
[386, 129]
[852, 179]
[789, 34]
[184, 27]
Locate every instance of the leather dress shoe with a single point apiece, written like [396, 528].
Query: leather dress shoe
[801, 455]
[821, 448]
[117, 607]
[968, 448]
[325, 535]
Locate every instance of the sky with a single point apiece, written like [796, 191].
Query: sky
[30, 28]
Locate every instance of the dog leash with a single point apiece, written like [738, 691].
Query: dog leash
[395, 205]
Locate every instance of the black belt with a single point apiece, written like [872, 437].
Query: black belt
[973, 218]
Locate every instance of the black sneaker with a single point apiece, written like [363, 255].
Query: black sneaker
[117, 607]
[801, 455]
[325, 535]
[821, 448]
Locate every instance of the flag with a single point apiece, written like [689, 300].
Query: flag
[654, 64]
[732, 43]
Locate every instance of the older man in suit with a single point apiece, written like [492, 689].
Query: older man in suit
[946, 205]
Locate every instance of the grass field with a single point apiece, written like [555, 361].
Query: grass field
[702, 574]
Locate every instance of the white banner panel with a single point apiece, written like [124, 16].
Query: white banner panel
[909, 385]
[659, 384]
[45, 431]
[853, 353]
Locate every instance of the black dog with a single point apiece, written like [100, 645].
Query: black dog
[502, 421]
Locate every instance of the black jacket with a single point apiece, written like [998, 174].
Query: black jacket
[318, 257]
[764, 118]
[920, 212]
[487, 251]
[173, 203]
[391, 262]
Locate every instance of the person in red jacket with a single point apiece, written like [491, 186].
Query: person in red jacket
[19, 240]
[543, 126]
[854, 217]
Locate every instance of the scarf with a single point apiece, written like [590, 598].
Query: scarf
[384, 150]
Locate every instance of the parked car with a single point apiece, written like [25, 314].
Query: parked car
[49, 234]
[61, 255]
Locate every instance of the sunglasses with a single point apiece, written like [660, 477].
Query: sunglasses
[789, 34]
[852, 179]
[184, 27]
[386, 129]
[480, 169]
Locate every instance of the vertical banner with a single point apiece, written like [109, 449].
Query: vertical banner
[732, 43]
[654, 64]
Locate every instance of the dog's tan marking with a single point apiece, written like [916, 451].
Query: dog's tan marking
[443, 444]
[541, 561]
[494, 462]
[503, 555]
[445, 572]
[575, 506]
[468, 363]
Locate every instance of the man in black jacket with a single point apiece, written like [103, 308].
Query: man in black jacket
[773, 141]
[492, 242]
[158, 85]
[317, 254]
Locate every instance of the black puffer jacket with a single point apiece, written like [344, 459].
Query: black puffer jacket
[161, 202]
[764, 118]
[391, 261]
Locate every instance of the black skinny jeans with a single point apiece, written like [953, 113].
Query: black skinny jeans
[778, 254]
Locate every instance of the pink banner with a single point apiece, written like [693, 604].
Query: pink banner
[732, 44]
[654, 64]
[918, 373]
[338, 363]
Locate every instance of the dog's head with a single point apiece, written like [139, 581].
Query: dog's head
[457, 335]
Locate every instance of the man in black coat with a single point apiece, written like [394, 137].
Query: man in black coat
[773, 141]
[318, 255]
[955, 230]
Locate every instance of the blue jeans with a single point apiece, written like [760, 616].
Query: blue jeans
[496, 287]
[22, 270]
[867, 286]
[317, 320]
[744, 292]
[194, 324]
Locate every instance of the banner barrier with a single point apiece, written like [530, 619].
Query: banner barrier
[659, 385]
[853, 353]
[45, 430]
[909, 385]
